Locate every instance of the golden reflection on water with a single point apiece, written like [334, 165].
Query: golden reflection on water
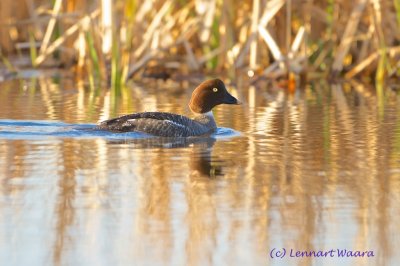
[316, 170]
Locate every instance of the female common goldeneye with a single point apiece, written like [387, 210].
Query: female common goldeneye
[206, 96]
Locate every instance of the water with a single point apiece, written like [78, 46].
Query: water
[315, 170]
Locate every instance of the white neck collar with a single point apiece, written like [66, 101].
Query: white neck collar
[209, 114]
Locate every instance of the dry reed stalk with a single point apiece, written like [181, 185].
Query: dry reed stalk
[155, 41]
[152, 27]
[50, 26]
[395, 70]
[362, 65]
[71, 30]
[106, 23]
[271, 68]
[181, 19]
[253, 33]
[81, 51]
[192, 61]
[27, 45]
[319, 14]
[229, 36]
[377, 18]
[348, 36]
[141, 62]
[288, 24]
[243, 52]
[143, 10]
[166, 34]
[298, 40]
[41, 20]
[232, 54]
[187, 29]
[6, 12]
[183, 14]
[241, 48]
[369, 60]
[210, 55]
[365, 44]
[270, 10]
[269, 40]
[34, 19]
[190, 29]
[206, 9]
[71, 12]
[382, 64]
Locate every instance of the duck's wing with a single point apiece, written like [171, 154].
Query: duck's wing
[155, 123]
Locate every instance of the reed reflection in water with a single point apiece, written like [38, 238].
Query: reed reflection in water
[317, 170]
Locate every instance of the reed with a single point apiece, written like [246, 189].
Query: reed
[94, 58]
[9, 66]
[397, 8]
[32, 49]
[125, 38]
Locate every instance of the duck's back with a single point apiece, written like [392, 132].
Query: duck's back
[160, 124]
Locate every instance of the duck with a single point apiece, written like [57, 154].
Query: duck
[205, 97]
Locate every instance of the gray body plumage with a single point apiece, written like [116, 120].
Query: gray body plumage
[161, 124]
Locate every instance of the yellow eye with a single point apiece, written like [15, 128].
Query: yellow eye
[215, 89]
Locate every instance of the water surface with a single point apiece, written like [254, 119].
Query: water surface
[315, 170]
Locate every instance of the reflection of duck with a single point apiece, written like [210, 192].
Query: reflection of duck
[201, 163]
[206, 96]
[169, 143]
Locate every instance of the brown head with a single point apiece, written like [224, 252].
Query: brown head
[209, 94]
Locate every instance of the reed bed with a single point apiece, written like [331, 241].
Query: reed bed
[114, 41]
